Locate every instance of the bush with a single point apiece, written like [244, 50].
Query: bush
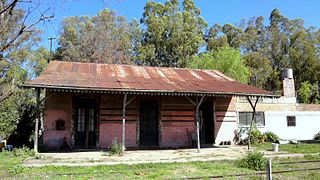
[116, 148]
[254, 161]
[271, 137]
[256, 137]
[317, 136]
[23, 152]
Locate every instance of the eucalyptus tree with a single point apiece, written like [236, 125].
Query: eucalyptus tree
[174, 33]
[104, 38]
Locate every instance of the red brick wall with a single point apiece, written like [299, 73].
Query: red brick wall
[176, 122]
[58, 106]
[111, 121]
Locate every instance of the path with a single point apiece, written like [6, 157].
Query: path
[143, 156]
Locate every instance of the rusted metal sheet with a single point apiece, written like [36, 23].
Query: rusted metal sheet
[133, 78]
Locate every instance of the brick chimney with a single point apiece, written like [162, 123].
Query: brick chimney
[288, 89]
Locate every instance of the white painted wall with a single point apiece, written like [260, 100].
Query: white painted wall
[307, 124]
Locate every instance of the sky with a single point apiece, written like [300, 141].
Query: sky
[213, 11]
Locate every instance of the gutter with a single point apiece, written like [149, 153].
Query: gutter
[129, 91]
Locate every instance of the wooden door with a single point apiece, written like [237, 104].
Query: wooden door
[149, 135]
[85, 123]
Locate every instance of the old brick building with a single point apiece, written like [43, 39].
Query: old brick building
[90, 105]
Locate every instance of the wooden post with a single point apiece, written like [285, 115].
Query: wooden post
[198, 122]
[124, 121]
[269, 169]
[36, 129]
[198, 130]
[253, 106]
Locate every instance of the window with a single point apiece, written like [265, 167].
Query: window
[246, 117]
[60, 124]
[291, 121]
[81, 119]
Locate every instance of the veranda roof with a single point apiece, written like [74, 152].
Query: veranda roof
[133, 79]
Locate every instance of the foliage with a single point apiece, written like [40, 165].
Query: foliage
[174, 33]
[104, 38]
[225, 59]
[23, 152]
[317, 136]
[256, 137]
[304, 92]
[116, 148]
[267, 49]
[271, 137]
[37, 61]
[254, 161]
[11, 111]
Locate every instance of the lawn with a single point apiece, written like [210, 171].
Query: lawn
[292, 148]
[10, 167]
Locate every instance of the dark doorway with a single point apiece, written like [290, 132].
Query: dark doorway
[207, 124]
[149, 121]
[85, 123]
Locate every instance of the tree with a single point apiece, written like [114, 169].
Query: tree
[260, 68]
[37, 61]
[17, 34]
[174, 33]
[225, 59]
[267, 49]
[104, 38]
[304, 92]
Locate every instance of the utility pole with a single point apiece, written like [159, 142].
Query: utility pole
[50, 55]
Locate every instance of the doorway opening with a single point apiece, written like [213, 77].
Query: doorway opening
[85, 123]
[206, 123]
[149, 121]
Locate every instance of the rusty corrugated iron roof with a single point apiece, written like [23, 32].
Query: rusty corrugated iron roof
[114, 77]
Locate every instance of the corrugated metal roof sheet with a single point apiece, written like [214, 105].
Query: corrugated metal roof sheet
[114, 77]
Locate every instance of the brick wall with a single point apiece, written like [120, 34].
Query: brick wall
[58, 106]
[176, 122]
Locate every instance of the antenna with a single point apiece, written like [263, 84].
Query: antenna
[50, 55]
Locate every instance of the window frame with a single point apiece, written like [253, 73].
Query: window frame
[248, 124]
[291, 122]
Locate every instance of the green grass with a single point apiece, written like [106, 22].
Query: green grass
[291, 148]
[149, 171]
[11, 168]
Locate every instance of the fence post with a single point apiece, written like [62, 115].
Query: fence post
[269, 169]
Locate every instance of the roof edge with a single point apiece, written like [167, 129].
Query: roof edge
[152, 91]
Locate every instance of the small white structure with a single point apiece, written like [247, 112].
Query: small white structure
[283, 116]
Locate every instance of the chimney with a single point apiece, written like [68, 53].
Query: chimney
[288, 89]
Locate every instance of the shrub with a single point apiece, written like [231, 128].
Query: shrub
[317, 136]
[256, 136]
[254, 161]
[116, 148]
[23, 152]
[271, 137]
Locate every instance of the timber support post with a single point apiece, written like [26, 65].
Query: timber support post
[197, 105]
[253, 106]
[36, 129]
[125, 104]
[124, 121]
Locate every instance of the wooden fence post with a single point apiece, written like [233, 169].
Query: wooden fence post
[269, 169]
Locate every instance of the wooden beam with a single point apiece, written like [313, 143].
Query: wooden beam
[36, 129]
[124, 122]
[253, 106]
[190, 100]
[198, 122]
[131, 100]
